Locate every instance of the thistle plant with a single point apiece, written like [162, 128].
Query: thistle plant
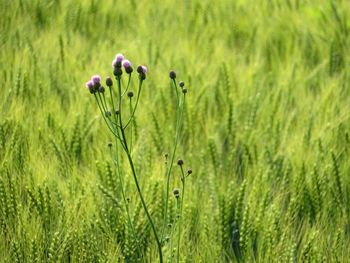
[120, 121]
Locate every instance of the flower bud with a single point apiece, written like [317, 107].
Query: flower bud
[127, 66]
[184, 91]
[180, 162]
[109, 81]
[126, 63]
[130, 94]
[96, 78]
[189, 171]
[116, 64]
[181, 84]
[117, 71]
[129, 70]
[101, 89]
[141, 69]
[119, 57]
[172, 74]
[176, 192]
[109, 144]
[90, 86]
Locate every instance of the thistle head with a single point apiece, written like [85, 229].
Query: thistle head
[117, 61]
[109, 81]
[101, 89]
[96, 79]
[127, 66]
[90, 86]
[142, 70]
[117, 71]
[119, 57]
[176, 192]
[130, 94]
[126, 63]
[172, 74]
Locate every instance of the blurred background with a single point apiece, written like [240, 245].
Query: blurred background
[266, 129]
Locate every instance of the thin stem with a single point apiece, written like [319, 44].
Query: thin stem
[180, 219]
[135, 176]
[105, 102]
[103, 115]
[174, 228]
[130, 127]
[116, 162]
[127, 87]
[114, 110]
[137, 102]
[179, 112]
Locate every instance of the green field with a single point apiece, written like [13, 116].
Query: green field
[266, 131]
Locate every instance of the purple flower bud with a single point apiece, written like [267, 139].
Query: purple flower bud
[90, 84]
[114, 63]
[119, 57]
[126, 63]
[96, 79]
[144, 69]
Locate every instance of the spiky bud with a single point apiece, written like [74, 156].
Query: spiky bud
[129, 70]
[172, 74]
[176, 192]
[109, 81]
[117, 71]
[101, 89]
[130, 94]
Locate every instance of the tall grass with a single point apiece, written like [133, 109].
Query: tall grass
[266, 130]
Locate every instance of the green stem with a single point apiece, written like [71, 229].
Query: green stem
[103, 115]
[130, 127]
[137, 102]
[131, 163]
[127, 87]
[179, 113]
[180, 219]
[131, 225]
[174, 226]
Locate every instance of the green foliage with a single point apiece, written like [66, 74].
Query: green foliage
[266, 130]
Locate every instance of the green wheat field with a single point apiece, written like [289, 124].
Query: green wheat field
[266, 131]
